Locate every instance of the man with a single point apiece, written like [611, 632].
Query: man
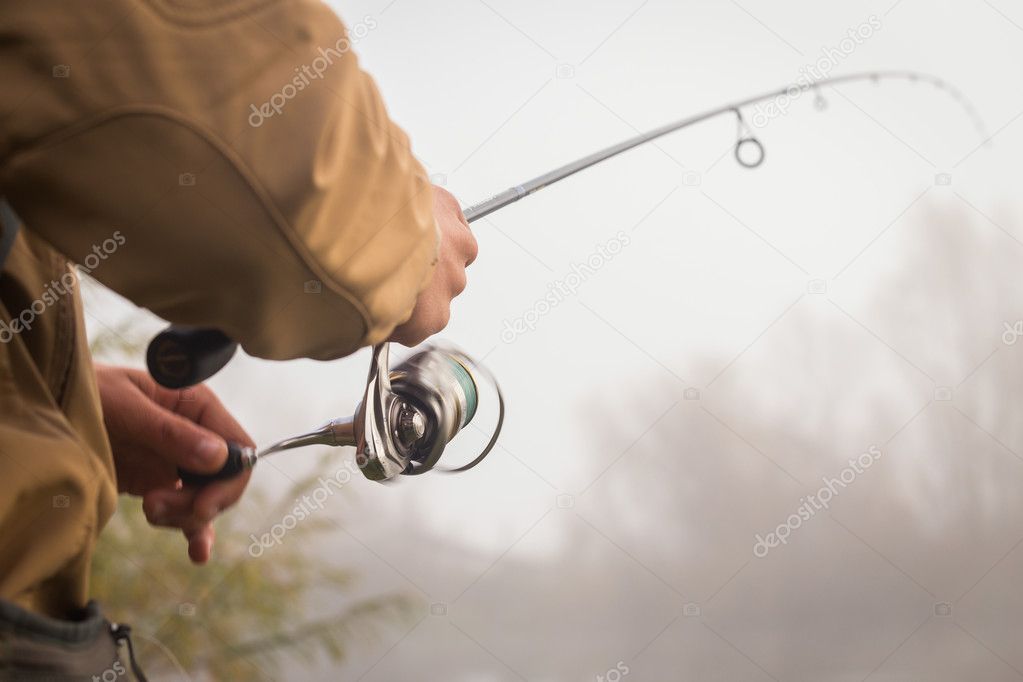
[224, 164]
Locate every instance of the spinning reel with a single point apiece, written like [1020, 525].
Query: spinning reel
[406, 419]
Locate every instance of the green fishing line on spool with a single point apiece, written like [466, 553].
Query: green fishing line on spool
[468, 385]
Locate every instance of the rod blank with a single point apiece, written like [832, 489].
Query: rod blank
[513, 194]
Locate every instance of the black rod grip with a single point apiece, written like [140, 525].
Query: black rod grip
[184, 356]
[237, 462]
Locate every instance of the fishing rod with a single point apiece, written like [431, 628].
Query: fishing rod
[409, 413]
[513, 194]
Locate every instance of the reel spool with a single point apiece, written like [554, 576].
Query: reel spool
[410, 414]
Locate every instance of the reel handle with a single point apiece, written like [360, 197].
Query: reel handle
[239, 459]
[182, 356]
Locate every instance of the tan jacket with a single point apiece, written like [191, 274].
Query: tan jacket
[224, 164]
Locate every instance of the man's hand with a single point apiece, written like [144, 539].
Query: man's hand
[153, 431]
[457, 251]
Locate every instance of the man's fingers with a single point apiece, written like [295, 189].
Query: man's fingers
[197, 404]
[457, 250]
[191, 508]
[168, 508]
[183, 443]
[214, 498]
[178, 509]
[200, 543]
[211, 414]
[458, 282]
[471, 247]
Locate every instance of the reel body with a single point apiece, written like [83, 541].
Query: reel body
[409, 414]
[406, 419]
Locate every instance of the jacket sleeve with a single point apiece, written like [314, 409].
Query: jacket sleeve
[234, 170]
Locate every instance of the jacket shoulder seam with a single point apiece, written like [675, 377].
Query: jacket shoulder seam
[266, 203]
[206, 17]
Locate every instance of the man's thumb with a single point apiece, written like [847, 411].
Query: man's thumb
[186, 444]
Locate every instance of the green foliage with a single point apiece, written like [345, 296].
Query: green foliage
[239, 617]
